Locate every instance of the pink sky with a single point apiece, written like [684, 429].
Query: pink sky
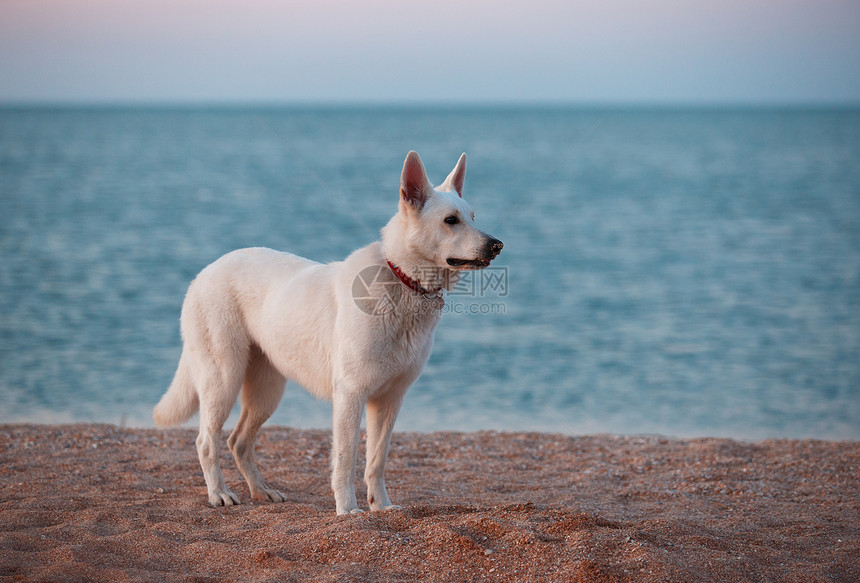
[769, 51]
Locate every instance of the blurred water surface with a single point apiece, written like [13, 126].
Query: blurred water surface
[690, 272]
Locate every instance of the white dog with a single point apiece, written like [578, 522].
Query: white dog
[357, 332]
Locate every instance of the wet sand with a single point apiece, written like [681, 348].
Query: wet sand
[102, 503]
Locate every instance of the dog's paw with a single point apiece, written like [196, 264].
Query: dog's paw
[223, 498]
[381, 503]
[344, 511]
[269, 495]
[389, 507]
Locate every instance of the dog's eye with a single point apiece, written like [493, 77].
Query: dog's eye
[452, 220]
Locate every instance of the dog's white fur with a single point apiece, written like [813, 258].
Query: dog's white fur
[257, 317]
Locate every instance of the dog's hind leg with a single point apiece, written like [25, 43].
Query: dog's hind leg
[221, 363]
[215, 407]
[261, 393]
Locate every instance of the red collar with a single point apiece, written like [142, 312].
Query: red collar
[412, 284]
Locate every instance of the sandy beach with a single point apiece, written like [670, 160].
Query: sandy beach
[103, 503]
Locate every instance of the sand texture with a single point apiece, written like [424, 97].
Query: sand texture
[102, 503]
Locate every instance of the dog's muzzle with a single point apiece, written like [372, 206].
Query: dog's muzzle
[491, 250]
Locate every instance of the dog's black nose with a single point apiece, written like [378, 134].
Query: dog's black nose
[495, 246]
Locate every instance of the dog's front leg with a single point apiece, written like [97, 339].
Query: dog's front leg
[346, 423]
[381, 414]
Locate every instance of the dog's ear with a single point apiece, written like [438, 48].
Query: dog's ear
[457, 177]
[414, 186]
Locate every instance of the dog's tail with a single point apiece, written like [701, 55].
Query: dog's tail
[180, 401]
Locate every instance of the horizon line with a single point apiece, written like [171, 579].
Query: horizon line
[423, 104]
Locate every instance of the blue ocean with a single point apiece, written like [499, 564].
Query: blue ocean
[685, 272]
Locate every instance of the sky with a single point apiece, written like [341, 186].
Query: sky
[384, 51]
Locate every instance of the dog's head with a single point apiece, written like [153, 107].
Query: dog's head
[437, 224]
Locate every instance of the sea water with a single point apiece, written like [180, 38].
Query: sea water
[682, 272]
